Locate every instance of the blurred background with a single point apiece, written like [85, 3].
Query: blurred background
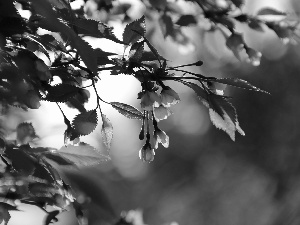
[204, 177]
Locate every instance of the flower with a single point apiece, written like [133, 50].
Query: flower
[150, 99]
[147, 153]
[161, 112]
[169, 97]
[161, 137]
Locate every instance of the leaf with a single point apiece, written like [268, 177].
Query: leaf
[186, 20]
[270, 11]
[87, 54]
[238, 3]
[81, 155]
[134, 31]
[61, 92]
[50, 21]
[4, 212]
[57, 158]
[106, 132]
[25, 133]
[255, 24]
[95, 29]
[127, 110]
[149, 56]
[85, 122]
[153, 50]
[236, 82]
[223, 115]
[166, 25]
[136, 51]
[21, 161]
[51, 217]
[224, 124]
[50, 43]
[200, 92]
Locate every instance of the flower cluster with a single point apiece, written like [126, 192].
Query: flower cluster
[156, 107]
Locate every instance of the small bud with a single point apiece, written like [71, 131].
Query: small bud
[147, 153]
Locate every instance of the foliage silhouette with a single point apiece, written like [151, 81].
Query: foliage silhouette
[30, 172]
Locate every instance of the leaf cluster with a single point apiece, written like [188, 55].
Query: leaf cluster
[31, 174]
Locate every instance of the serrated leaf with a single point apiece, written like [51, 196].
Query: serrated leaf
[236, 82]
[57, 158]
[95, 29]
[25, 133]
[4, 212]
[224, 123]
[136, 51]
[50, 22]
[270, 11]
[223, 115]
[200, 92]
[61, 92]
[85, 122]
[129, 34]
[106, 131]
[81, 155]
[186, 20]
[127, 110]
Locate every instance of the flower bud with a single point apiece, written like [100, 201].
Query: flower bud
[147, 153]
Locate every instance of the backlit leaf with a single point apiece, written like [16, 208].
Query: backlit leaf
[130, 36]
[85, 122]
[136, 51]
[127, 110]
[106, 131]
[82, 155]
[236, 82]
